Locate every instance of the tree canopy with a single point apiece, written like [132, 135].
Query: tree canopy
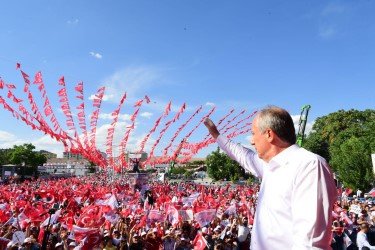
[23, 155]
[220, 167]
[346, 139]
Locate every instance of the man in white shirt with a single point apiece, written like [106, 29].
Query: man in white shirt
[362, 241]
[297, 190]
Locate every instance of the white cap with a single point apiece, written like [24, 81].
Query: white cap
[154, 230]
[72, 244]
[217, 228]
[27, 240]
[58, 244]
[204, 230]
[167, 232]
[143, 233]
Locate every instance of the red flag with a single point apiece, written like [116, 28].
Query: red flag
[1, 83]
[10, 86]
[199, 242]
[138, 103]
[79, 87]
[48, 111]
[91, 241]
[18, 65]
[62, 81]
[168, 108]
[38, 78]
[147, 99]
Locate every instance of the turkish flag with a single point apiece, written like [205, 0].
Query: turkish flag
[91, 241]
[199, 242]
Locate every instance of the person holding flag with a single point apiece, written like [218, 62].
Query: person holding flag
[297, 191]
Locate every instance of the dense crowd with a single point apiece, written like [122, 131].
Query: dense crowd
[100, 213]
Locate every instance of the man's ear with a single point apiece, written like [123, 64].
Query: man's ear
[269, 135]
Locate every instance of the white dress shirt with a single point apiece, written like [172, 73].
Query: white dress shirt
[295, 199]
[362, 241]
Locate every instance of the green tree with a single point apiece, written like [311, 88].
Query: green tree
[5, 156]
[25, 155]
[220, 166]
[353, 162]
[346, 139]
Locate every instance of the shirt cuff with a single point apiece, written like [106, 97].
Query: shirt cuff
[222, 140]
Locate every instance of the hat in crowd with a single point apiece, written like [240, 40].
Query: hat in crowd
[155, 230]
[204, 230]
[167, 232]
[72, 244]
[143, 233]
[107, 235]
[182, 238]
[218, 228]
[59, 244]
[135, 235]
[105, 232]
[28, 240]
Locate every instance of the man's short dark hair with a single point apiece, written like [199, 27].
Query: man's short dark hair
[279, 121]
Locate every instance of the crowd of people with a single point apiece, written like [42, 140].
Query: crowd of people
[100, 213]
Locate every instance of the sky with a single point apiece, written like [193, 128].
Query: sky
[230, 54]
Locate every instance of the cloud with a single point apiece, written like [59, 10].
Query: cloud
[105, 97]
[210, 104]
[327, 32]
[8, 140]
[96, 55]
[333, 8]
[146, 115]
[108, 116]
[135, 81]
[47, 143]
[121, 127]
[330, 19]
[308, 127]
[73, 21]
[6, 136]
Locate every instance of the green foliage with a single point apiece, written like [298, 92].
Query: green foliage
[194, 164]
[177, 170]
[5, 156]
[25, 154]
[189, 174]
[346, 139]
[220, 167]
[353, 162]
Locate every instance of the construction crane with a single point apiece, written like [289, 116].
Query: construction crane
[302, 124]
